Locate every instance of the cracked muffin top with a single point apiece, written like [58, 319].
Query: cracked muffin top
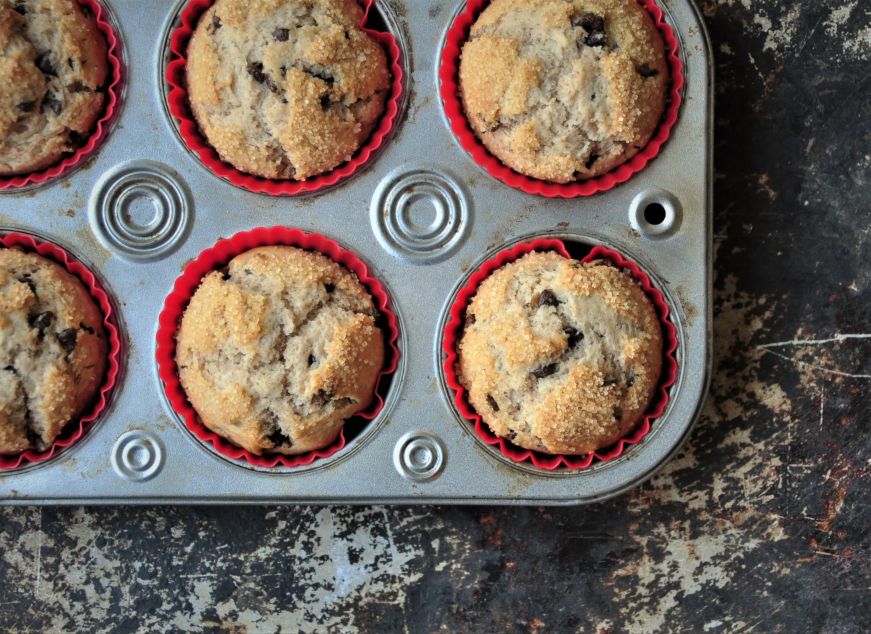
[52, 350]
[279, 349]
[563, 90]
[286, 89]
[52, 73]
[559, 356]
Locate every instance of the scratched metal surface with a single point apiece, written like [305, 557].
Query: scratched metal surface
[760, 524]
[140, 452]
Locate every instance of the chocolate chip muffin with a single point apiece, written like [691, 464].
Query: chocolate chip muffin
[558, 356]
[279, 349]
[563, 90]
[52, 350]
[52, 73]
[285, 89]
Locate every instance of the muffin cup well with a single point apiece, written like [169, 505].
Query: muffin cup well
[549, 462]
[450, 93]
[179, 107]
[215, 258]
[103, 124]
[74, 430]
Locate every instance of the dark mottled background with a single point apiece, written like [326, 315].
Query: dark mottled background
[761, 524]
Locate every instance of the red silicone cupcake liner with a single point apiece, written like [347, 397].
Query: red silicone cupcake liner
[449, 72]
[73, 431]
[101, 128]
[550, 462]
[179, 107]
[217, 257]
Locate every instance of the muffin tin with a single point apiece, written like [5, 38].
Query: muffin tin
[423, 216]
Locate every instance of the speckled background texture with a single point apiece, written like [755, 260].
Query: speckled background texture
[760, 524]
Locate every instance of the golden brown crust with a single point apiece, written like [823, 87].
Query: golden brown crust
[53, 67]
[560, 357]
[276, 353]
[52, 350]
[563, 90]
[283, 88]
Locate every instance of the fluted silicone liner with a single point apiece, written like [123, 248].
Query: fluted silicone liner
[450, 93]
[76, 429]
[101, 128]
[453, 333]
[217, 257]
[179, 107]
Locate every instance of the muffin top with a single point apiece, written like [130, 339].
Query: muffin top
[285, 89]
[278, 350]
[52, 350]
[559, 356]
[52, 73]
[563, 90]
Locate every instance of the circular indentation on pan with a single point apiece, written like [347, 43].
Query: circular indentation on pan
[137, 456]
[141, 210]
[419, 456]
[655, 213]
[420, 215]
[578, 246]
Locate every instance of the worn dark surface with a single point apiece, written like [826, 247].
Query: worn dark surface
[760, 524]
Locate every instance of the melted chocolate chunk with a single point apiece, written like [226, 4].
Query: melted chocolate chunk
[41, 322]
[322, 398]
[547, 298]
[646, 71]
[329, 288]
[215, 25]
[609, 381]
[270, 83]
[77, 86]
[618, 413]
[43, 63]
[71, 63]
[50, 102]
[20, 8]
[512, 436]
[67, 339]
[492, 403]
[470, 319]
[544, 370]
[591, 160]
[574, 336]
[594, 25]
[281, 35]
[312, 359]
[325, 101]
[630, 381]
[279, 439]
[339, 403]
[76, 139]
[255, 69]
[26, 106]
[225, 273]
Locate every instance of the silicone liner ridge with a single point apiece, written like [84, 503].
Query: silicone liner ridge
[73, 431]
[218, 256]
[101, 128]
[450, 93]
[453, 332]
[180, 109]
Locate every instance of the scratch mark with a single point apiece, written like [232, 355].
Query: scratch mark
[838, 338]
[805, 364]
[39, 555]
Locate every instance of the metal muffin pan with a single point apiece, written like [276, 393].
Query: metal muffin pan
[422, 215]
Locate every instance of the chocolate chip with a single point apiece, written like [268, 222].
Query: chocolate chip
[325, 101]
[339, 403]
[76, 139]
[591, 160]
[470, 319]
[279, 439]
[281, 35]
[329, 288]
[225, 273]
[67, 339]
[594, 25]
[77, 86]
[71, 63]
[20, 8]
[512, 436]
[255, 69]
[544, 370]
[609, 381]
[492, 403]
[215, 25]
[248, 272]
[646, 71]
[26, 106]
[52, 103]
[618, 413]
[547, 298]
[270, 83]
[312, 359]
[574, 336]
[43, 63]
[41, 322]
[283, 71]
[26, 279]
[322, 398]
